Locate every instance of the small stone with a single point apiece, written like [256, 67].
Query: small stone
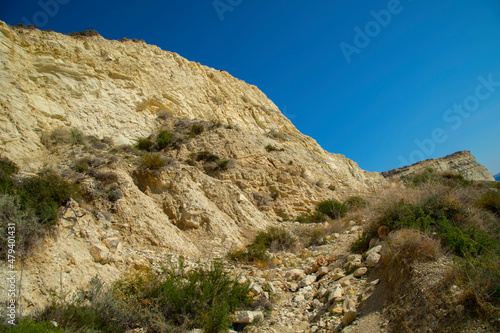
[247, 317]
[375, 282]
[322, 270]
[345, 282]
[337, 311]
[308, 280]
[100, 254]
[295, 275]
[375, 249]
[255, 288]
[316, 303]
[353, 262]
[338, 273]
[299, 298]
[322, 292]
[349, 317]
[270, 287]
[372, 259]
[293, 287]
[314, 329]
[360, 272]
[336, 292]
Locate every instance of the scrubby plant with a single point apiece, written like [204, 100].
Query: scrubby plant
[332, 208]
[273, 148]
[28, 325]
[275, 194]
[20, 223]
[152, 161]
[273, 239]
[205, 156]
[490, 201]
[58, 136]
[45, 193]
[7, 170]
[276, 135]
[196, 129]
[170, 300]
[355, 203]
[144, 144]
[430, 175]
[163, 139]
[81, 165]
[30, 206]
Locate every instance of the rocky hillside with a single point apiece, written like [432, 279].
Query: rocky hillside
[233, 165]
[460, 162]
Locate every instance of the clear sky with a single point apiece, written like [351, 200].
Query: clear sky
[383, 82]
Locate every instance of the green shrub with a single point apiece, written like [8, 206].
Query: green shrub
[332, 208]
[273, 239]
[196, 129]
[152, 161]
[31, 205]
[81, 165]
[200, 298]
[453, 179]
[7, 170]
[275, 194]
[363, 242]
[206, 156]
[28, 325]
[104, 312]
[45, 193]
[490, 201]
[27, 230]
[163, 139]
[306, 218]
[459, 235]
[447, 178]
[144, 144]
[355, 203]
[58, 136]
[273, 148]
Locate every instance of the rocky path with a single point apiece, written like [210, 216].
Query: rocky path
[321, 289]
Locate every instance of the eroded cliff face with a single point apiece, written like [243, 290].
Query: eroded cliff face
[125, 90]
[460, 162]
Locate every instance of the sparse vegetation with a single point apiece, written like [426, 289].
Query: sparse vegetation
[144, 144]
[152, 161]
[171, 300]
[31, 204]
[438, 213]
[213, 164]
[163, 139]
[490, 201]
[196, 129]
[275, 194]
[273, 239]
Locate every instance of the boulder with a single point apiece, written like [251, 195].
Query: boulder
[100, 254]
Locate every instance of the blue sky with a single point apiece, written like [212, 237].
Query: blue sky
[382, 82]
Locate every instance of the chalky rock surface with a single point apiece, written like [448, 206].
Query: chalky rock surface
[461, 162]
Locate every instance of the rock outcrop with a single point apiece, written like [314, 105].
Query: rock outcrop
[125, 90]
[461, 162]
